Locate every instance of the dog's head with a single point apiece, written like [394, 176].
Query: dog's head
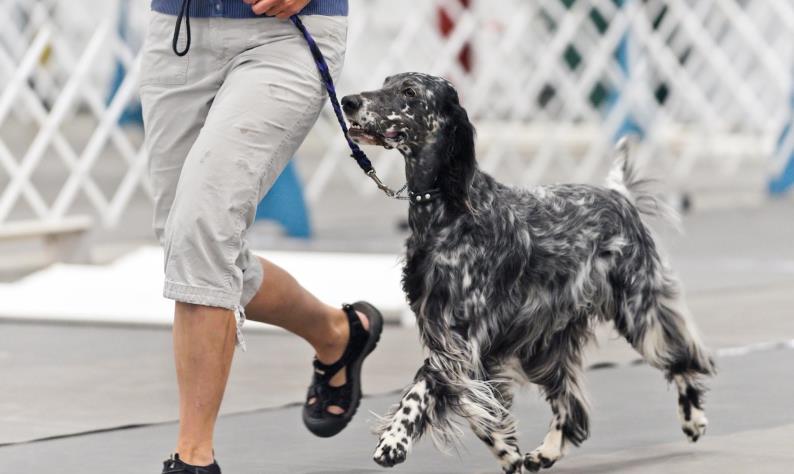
[421, 116]
[410, 109]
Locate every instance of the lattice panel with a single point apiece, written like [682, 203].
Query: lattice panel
[54, 91]
[549, 83]
[706, 81]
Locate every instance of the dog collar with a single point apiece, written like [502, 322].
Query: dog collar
[424, 197]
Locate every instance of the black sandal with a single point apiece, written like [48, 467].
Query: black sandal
[362, 342]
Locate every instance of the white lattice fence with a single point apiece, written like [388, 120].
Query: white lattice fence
[706, 81]
[60, 133]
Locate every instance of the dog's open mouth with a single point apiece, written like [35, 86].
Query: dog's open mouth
[371, 137]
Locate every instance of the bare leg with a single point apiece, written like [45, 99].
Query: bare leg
[281, 301]
[204, 340]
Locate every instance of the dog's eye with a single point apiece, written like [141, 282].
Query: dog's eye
[408, 92]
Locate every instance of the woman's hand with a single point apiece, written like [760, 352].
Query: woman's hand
[281, 9]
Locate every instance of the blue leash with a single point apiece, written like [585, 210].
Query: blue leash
[325, 74]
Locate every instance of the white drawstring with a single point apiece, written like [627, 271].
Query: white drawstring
[239, 316]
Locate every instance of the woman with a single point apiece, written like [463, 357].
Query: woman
[225, 107]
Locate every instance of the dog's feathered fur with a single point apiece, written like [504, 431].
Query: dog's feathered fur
[506, 283]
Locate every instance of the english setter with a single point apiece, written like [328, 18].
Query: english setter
[506, 283]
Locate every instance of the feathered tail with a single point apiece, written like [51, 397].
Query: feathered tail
[623, 178]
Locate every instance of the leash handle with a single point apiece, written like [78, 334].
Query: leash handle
[184, 11]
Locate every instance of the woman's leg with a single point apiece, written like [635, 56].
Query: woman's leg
[269, 98]
[282, 302]
[204, 341]
[176, 101]
[270, 294]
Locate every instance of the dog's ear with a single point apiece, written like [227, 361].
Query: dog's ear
[458, 141]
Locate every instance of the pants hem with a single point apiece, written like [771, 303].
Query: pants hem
[201, 296]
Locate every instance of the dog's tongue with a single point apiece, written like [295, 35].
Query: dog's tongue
[391, 133]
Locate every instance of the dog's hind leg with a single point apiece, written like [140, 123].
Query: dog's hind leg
[405, 423]
[499, 435]
[666, 337]
[559, 373]
[690, 406]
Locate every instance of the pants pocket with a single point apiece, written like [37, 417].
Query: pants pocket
[159, 64]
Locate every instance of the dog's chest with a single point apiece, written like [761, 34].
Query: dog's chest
[436, 268]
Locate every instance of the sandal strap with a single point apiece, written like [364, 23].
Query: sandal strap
[358, 337]
[324, 373]
[324, 394]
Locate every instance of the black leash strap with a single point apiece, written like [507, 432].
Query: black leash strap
[184, 11]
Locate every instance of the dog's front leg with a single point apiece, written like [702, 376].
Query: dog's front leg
[404, 424]
[498, 432]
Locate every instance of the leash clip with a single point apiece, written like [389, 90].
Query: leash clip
[374, 176]
[387, 190]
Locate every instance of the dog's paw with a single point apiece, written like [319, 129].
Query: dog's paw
[547, 453]
[696, 425]
[391, 450]
[536, 460]
[515, 467]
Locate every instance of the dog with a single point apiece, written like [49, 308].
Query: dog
[507, 283]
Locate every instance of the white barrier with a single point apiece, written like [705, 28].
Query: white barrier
[128, 290]
[542, 83]
[725, 67]
[51, 76]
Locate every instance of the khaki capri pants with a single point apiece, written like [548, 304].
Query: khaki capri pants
[221, 124]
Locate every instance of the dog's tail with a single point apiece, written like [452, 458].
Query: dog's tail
[623, 178]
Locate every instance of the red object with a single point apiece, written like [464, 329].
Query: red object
[446, 25]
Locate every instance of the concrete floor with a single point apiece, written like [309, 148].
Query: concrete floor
[634, 430]
[738, 268]
[62, 379]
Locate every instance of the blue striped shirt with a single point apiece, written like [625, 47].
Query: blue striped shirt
[239, 9]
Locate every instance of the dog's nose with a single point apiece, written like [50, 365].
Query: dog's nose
[351, 103]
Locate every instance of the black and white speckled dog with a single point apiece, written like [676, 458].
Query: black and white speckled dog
[506, 283]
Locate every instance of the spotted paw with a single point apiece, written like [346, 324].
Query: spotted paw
[695, 426]
[535, 461]
[516, 467]
[391, 451]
